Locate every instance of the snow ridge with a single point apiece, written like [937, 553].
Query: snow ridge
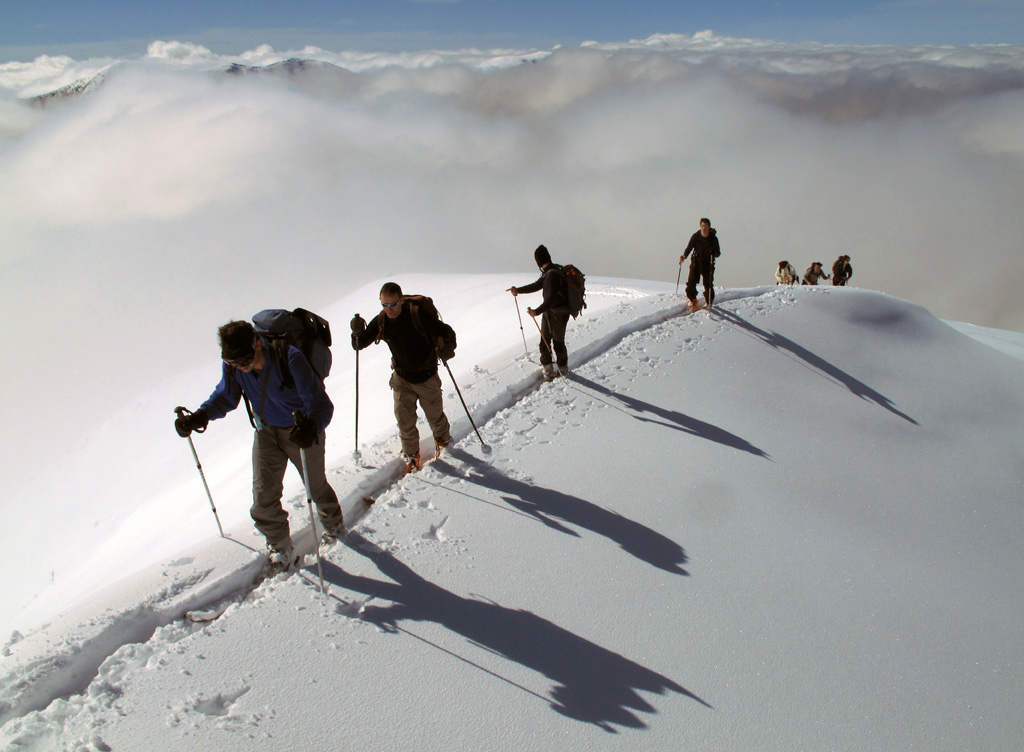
[64, 672]
[664, 542]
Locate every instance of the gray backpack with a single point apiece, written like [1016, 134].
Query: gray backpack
[299, 328]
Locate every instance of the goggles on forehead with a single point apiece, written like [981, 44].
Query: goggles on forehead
[242, 361]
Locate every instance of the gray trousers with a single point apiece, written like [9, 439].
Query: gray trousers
[272, 450]
[428, 394]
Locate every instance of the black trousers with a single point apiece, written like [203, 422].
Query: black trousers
[701, 268]
[552, 329]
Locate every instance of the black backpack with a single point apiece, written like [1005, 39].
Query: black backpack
[299, 328]
[282, 329]
[575, 289]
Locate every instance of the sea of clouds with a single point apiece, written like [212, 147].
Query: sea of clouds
[173, 195]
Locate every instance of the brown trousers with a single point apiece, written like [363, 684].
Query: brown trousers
[428, 394]
[272, 450]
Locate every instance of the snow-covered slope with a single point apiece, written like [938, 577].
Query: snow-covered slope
[791, 524]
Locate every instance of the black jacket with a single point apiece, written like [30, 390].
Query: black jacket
[413, 353]
[841, 271]
[703, 248]
[552, 281]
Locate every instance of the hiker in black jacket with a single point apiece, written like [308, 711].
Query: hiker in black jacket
[411, 328]
[554, 312]
[704, 247]
[841, 271]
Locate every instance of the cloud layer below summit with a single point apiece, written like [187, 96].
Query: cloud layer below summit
[173, 197]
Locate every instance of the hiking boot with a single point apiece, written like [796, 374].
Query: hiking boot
[563, 371]
[693, 304]
[547, 372]
[281, 560]
[334, 534]
[438, 447]
[410, 462]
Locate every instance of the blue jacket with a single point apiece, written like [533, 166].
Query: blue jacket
[308, 396]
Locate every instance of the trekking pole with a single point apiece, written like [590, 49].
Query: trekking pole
[483, 444]
[355, 452]
[309, 503]
[180, 412]
[521, 331]
[679, 275]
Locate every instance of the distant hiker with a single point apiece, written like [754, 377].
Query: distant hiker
[291, 414]
[553, 310]
[415, 335]
[704, 247]
[841, 271]
[785, 274]
[813, 274]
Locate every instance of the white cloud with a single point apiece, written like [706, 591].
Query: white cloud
[181, 52]
[189, 196]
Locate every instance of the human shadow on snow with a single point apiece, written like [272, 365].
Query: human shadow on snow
[548, 506]
[591, 683]
[676, 420]
[779, 342]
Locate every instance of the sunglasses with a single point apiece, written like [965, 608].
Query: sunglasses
[390, 305]
[242, 362]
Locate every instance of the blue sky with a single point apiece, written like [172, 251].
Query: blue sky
[124, 27]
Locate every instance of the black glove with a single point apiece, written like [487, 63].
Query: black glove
[304, 434]
[358, 327]
[445, 351]
[188, 422]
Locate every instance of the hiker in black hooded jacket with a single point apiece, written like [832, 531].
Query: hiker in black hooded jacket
[553, 310]
[704, 247]
[841, 271]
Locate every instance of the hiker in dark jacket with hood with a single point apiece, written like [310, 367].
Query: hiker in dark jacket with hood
[414, 333]
[704, 247]
[841, 271]
[554, 312]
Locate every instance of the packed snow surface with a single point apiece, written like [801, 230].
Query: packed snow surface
[793, 522]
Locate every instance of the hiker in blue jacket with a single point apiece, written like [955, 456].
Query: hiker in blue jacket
[553, 310]
[249, 370]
